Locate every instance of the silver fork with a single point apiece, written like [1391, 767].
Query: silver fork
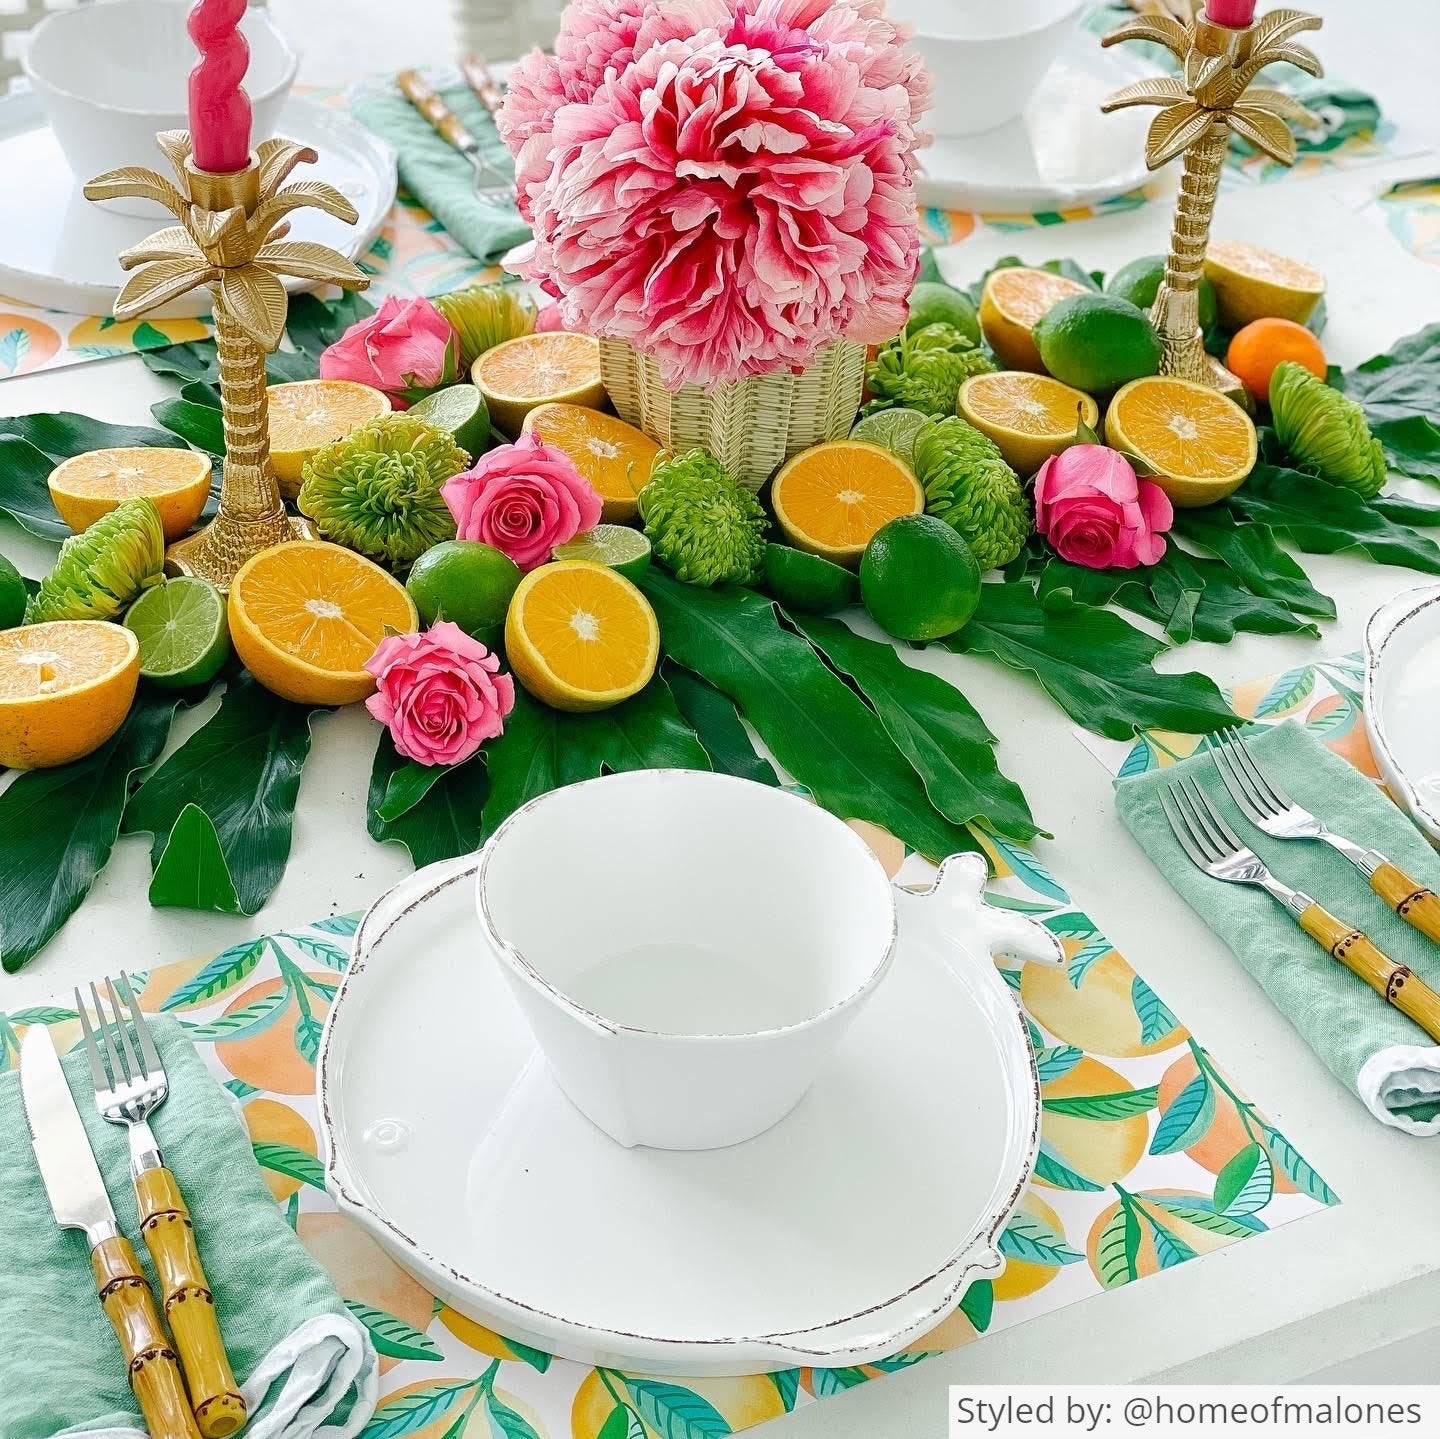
[130, 1085]
[1262, 801]
[491, 186]
[1212, 846]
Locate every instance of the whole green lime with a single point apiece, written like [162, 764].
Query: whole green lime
[808, 583]
[12, 595]
[932, 303]
[1139, 282]
[1097, 342]
[466, 582]
[919, 579]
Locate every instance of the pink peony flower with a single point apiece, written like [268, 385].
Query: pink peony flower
[440, 694]
[524, 499]
[1095, 511]
[406, 348]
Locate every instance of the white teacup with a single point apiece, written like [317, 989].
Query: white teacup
[986, 57]
[111, 76]
[687, 947]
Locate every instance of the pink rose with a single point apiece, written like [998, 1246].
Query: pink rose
[1096, 511]
[406, 348]
[440, 693]
[549, 318]
[524, 499]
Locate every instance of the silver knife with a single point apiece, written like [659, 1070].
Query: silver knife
[77, 1195]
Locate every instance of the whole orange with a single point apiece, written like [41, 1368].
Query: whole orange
[1262, 345]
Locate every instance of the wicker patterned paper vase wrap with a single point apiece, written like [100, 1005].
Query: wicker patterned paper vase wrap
[752, 426]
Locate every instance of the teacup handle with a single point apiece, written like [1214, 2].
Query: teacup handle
[959, 891]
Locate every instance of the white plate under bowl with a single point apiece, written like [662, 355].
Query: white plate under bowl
[842, 1234]
[1062, 153]
[58, 250]
[1402, 699]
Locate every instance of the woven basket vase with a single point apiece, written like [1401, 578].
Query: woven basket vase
[751, 426]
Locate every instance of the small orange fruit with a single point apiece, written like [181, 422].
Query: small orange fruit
[832, 499]
[615, 457]
[1263, 345]
[553, 367]
[1012, 304]
[176, 482]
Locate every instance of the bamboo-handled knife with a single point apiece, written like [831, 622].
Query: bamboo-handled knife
[78, 1197]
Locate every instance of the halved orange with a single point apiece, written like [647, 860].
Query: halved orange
[1200, 444]
[553, 367]
[1030, 417]
[177, 482]
[305, 616]
[831, 500]
[615, 457]
[307, 415]
[580, 636]
[1011, 305]
[1251, 283]
[65, 688]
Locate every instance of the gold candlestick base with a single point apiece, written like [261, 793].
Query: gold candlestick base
[1217, 95]
[231, 239]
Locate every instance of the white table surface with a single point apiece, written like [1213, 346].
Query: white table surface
[1359, 1281]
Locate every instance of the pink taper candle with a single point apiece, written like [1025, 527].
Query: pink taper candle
[219, 107]
[1237, 14]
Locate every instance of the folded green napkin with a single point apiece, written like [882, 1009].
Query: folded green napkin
[306, 1366]
[1369, 1046]
[439, 176]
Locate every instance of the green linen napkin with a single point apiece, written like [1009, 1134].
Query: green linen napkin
[305, 1364]
[439, 176]
[1369, 1046]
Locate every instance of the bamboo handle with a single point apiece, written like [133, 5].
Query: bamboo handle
[482, 82]
[433, 107]
[188, 1304]
[130, 1307]
[1414, 903]
[1411, 996]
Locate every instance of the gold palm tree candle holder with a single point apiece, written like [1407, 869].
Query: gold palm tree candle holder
[1215, 96]
[231, 238]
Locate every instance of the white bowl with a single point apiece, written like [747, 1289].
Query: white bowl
[688, 948]
[986, 57]
[111, 76]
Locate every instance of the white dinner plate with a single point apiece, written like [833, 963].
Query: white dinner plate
[58, 250]
[1062, 153]
[1402, 700]
[842, 1234]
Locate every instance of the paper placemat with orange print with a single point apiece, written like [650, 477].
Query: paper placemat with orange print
[1151, 1156]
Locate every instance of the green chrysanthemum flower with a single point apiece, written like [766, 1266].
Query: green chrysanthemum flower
[924, 370]
[969, 485]
[485, 315]
[1325, 430]
[704, 528]
[378, 490]
[100, 571]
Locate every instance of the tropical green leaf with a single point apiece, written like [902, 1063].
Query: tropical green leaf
[241, 1023]
[1057, 1062]
[60, 435]
[1203, 1216]
[393, 1337]
[445, 822]
[930, 267]
[933, 725]
[505, 1423]
[315, 324]
[1025, 1237]
[537, 1359]
[338, 924]
[673, 1412]
[1334, 722]
[622, 1423]
[1072, 925]
[1255, 557]
[1288, 692]
[1140, 760]
[308, 1030]
[396, 1418]
[1056, 1171]
[24, 494]
[332, 956]
[58, 826]
[1296, 1168]
[825, 1382]
[223, 972]
[1170, 1249]
[40, 1014]
[1246, 1184]
[1085, 958]
[1117, 1251]
[718, 726]
[787, 1384]
[818, 729]
[191, 872]
[1105, 1106]
[1027, 867]
[201, 425]
[290, 1161]
[1156, 1020]
[977, 1304]
[406, 787]
[1397, 391]
[1097, 667]
[1191, 1113]
[243, 769]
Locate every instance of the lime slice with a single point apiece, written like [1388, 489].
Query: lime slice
[807, 582]
[893, 430]
[621, 548]
[459, 410]
[181, 627]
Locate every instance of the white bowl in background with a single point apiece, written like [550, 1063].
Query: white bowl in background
[111, 76]
[986, 57]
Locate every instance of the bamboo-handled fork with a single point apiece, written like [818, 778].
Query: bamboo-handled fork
[1212, 846]
[490, 185]
[130, 1085]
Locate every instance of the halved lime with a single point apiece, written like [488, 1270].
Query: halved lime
[807, 582]
[893, 430]
[460, 410]
[183, 636]
[618, 546]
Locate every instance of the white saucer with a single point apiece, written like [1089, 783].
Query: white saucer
[57, 250]
[842, 1234]
[1060, 154]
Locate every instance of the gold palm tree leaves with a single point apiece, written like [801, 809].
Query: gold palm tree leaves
[1158, 29]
